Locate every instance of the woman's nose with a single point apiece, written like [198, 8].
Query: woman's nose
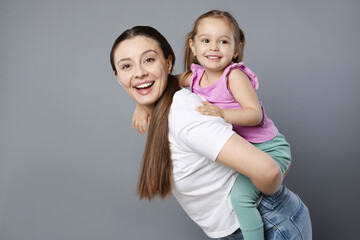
[140, 72]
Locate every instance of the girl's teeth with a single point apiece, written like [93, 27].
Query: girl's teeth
[213, 57]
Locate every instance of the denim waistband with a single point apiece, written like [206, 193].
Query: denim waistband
[272, 201]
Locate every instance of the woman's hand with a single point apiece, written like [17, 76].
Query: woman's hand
[140, 120]
[210, 110]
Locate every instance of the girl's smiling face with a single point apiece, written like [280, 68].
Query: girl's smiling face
[214, 44]
[142, 69]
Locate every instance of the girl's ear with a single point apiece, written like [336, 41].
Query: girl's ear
[192, 47]
[237, 50]
[169, 64]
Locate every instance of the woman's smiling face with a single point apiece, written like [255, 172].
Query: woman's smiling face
[142, 69]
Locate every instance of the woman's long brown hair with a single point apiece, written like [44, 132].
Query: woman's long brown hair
[156, 168]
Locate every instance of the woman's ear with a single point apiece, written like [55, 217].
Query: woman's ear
[169, 64]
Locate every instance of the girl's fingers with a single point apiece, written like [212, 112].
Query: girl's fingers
[208, 109]
[133, 123]
[143, 126]
[137, 127]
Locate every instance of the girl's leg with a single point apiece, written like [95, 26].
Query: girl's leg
[243, 198]
[279, 149]
[284, 215]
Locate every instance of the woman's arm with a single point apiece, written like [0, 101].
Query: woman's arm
[213, 138]
[247, 159]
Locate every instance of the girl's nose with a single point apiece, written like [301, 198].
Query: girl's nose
[214, 47]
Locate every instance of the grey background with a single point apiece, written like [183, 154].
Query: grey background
[69, 158]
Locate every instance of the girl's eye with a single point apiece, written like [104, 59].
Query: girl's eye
[223, 41]
[205, 41]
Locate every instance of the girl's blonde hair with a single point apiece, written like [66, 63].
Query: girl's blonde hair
[239, 36]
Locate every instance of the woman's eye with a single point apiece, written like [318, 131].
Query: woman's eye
[149, 60]
[125, 66]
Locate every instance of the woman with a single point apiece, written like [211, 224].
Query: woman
[197, 157]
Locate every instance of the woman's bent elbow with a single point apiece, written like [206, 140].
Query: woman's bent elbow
[273, 180]
[270, 180]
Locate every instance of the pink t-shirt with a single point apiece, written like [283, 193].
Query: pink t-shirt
[220, 95]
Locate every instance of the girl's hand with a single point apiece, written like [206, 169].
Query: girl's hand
[140, 120]
[210, 110]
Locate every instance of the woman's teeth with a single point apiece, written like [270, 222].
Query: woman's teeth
[144, 85]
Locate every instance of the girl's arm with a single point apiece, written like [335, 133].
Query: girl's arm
[249, 160]
[184, 78]
[140, 119]
[250, 114]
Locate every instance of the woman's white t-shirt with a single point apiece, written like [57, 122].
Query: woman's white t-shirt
[201, 185]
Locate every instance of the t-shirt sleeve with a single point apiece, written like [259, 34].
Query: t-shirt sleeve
[206, 138]
[205, 135]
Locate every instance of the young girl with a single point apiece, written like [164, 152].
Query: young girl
[214, 69]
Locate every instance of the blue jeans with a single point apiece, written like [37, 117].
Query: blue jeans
[285, 217]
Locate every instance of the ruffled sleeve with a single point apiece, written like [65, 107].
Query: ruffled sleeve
[196, 71]
[251, 75]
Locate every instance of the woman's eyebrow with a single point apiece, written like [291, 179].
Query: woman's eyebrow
[143, 53]
[150, 50]
[123, 59]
